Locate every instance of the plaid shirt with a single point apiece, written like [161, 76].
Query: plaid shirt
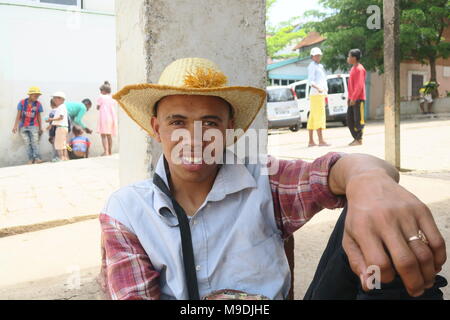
[299, 190]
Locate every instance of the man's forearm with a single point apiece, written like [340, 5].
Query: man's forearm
[358, 165]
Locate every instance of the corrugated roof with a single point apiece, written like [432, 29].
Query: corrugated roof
[311, 39]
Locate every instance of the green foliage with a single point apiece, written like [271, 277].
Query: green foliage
[281, 35]
[422, 24]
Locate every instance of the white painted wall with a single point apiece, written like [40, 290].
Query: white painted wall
[55, 50]
[106, 6]
[229, 32]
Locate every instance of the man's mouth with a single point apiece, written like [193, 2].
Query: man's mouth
[191, 160]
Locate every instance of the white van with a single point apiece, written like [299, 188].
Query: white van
[336, 102]
[282, 108]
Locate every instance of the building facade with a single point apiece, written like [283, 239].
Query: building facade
[57, 45]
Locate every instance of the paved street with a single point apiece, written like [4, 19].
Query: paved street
[42, 264]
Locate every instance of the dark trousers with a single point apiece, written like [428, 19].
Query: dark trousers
[334, 279]
[355, 119]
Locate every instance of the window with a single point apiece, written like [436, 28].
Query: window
[335, 85]
[300, 91]
[280, 95]
[276, 82]
[53, 3]
[284, 82]
[61, 2]
[417, 81]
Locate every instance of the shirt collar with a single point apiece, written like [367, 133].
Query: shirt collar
[33, 103]
[231, 178]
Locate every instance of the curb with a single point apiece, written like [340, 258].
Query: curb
[12, 231]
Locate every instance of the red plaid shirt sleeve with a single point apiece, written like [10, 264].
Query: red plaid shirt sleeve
[300, 190]
[127, 272]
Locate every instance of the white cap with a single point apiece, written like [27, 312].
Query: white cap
[316, 51]
[59, 94]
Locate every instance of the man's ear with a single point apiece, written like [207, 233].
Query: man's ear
[155, 126]
[231, 124]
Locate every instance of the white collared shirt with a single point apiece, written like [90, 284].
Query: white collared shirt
[318, 77]
[236, 242]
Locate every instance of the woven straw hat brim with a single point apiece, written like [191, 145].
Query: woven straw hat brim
[138, 102]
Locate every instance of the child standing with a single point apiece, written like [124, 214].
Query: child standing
[107, 121]
[80, 145]
[52, 130]
[60, 120]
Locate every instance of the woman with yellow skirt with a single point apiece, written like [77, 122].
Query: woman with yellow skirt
[317, 119]
[317, 79]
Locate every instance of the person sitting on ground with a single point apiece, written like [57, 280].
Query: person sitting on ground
[426, 96]
[77, 111]
[80, 145]
[199, 226]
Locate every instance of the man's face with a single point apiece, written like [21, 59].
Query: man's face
[179, 115]
[317, 58]
[351, 59]
[58, 101]
[34, 97]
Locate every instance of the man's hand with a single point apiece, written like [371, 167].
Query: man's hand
[89, 131]
[352, 103]
[381, 217]
[14, 130]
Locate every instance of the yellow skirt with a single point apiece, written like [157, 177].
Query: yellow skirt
[317, 116]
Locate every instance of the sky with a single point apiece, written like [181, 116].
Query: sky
[282, 10]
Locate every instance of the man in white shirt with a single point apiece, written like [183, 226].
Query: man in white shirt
[61, 122]
[319, 89]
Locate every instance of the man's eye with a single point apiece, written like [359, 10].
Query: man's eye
[209, 124]
[177, 123]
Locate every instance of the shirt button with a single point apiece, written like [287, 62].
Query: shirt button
[197, 268]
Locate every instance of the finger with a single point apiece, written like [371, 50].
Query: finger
[405, 262]
[435, 239]
[355, 259]
[375, 255]
[422, 252]
[425, 257]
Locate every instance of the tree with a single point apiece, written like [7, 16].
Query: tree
[279, 36]
[422, 25]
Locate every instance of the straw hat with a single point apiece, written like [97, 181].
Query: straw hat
[190, 76]
[34, 90]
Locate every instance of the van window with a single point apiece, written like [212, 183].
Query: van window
[300, 91]
[280, 95]
[335, 85]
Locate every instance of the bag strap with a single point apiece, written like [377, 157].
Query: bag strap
[186, 240]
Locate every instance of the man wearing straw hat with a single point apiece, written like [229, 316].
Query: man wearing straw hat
[204, 229]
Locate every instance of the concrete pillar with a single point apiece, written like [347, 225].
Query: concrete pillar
[392, 81]
[153, 33]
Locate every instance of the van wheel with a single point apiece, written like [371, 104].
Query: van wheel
[304, 124]
[344, 123]
[294, 128]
